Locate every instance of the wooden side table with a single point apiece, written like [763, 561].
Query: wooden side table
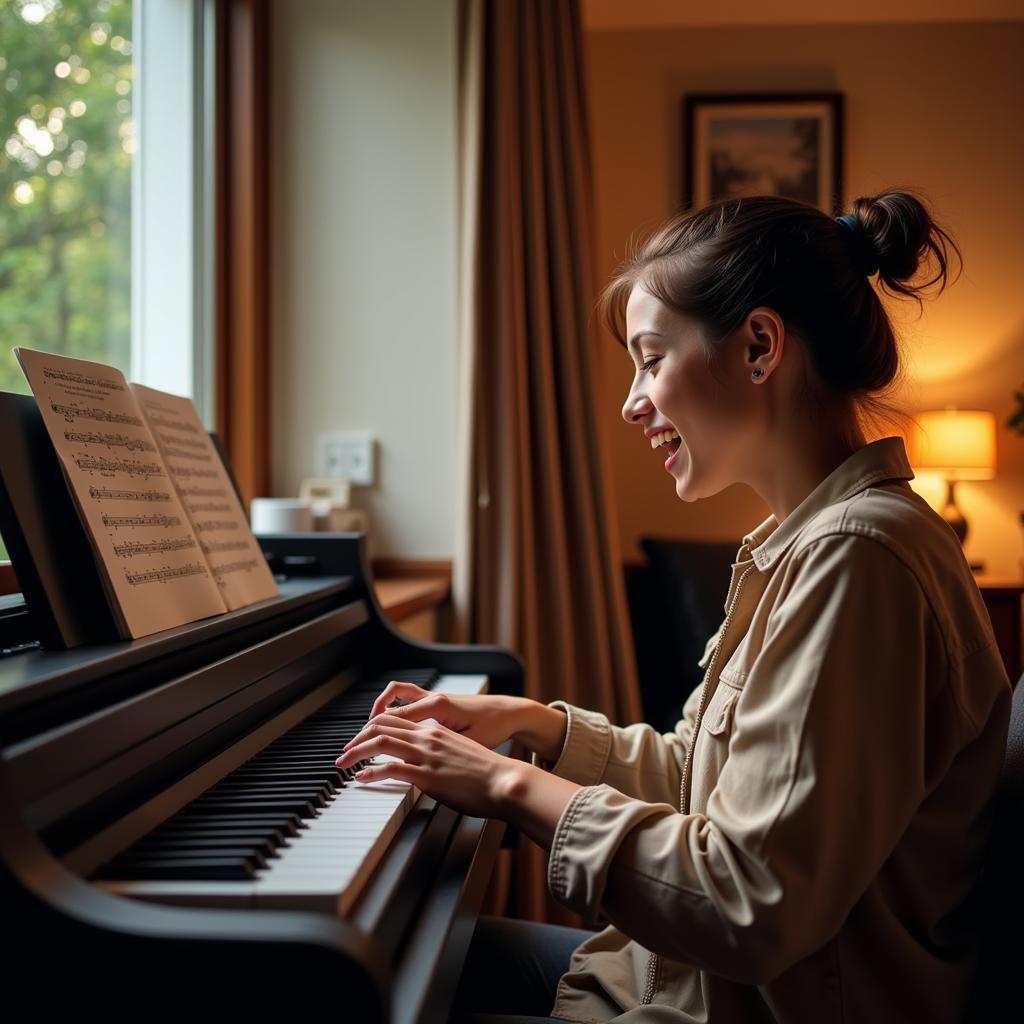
[1002, 597]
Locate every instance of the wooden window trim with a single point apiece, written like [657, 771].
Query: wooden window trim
[242, 228]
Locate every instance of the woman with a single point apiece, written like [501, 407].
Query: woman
[802, 847]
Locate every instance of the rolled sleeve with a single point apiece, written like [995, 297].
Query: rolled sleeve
[635, 759]
[585, 750]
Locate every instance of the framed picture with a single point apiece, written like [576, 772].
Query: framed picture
[785, 144]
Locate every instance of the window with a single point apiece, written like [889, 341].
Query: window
[105, 186]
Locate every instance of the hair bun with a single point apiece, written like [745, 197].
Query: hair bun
[903, 236]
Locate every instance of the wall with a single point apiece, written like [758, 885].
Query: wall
[364, 253]
[937, 106]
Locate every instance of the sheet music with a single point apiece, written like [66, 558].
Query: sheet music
[210, 501]
[150, 559]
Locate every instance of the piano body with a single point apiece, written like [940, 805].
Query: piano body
[171, 822]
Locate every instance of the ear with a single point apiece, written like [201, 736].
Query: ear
[764, 335]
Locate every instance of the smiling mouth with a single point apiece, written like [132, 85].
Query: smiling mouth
[668, 440]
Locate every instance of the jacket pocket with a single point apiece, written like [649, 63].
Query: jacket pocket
[719, 714]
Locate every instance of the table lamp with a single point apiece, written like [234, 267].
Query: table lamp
[957, 444]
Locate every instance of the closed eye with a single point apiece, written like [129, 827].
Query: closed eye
[649, 363]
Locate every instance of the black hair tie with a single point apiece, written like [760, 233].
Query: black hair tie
[863, 249]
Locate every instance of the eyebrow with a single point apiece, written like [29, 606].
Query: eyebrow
[635, 340]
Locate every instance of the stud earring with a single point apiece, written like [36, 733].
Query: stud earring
[757, 374]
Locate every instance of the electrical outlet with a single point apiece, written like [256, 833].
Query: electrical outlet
[346, 455]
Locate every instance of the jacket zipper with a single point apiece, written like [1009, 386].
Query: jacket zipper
[653, 960]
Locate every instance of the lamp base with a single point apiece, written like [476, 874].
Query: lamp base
[952, 514]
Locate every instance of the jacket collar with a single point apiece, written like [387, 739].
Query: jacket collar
[882, 460]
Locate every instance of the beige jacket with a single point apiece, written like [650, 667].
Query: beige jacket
[849, 735]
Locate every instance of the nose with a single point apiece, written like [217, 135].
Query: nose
[636, 407]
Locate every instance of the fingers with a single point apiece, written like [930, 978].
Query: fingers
[384, 739]
[396, 690]
[399, 770]
[386, 720]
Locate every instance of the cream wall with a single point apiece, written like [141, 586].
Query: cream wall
[937, 106]
[364, 233]
[363, 237]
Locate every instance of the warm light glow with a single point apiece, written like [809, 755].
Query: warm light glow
[956, 443]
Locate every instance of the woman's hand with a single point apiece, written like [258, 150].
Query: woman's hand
[488, 719]
[462, 773]
[445, 764]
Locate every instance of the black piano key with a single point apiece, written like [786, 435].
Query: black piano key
[248, 844]
[273, 787]
[328, 776]
[303, 793]
[285, 825]
[139, 858]
[208, 869]
[240, 807]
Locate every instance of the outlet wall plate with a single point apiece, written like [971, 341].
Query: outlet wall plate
[346, 454]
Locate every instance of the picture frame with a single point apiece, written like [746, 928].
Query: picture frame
[788, 144]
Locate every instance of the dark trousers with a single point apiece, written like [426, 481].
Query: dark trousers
[512, 971]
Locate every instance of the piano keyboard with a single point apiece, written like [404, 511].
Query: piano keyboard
[286, 829]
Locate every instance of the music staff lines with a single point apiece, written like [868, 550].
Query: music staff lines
[202, 492]
[219, 547]
[130, 548]
[178, 453]
[93, 412]
[143, 521]
[213, 525]
[183, 442]
[243, 565]
[185, 472]
[99, 464]
[71, 377]
[116, 494]
[166, 424]
[108, 440]
[210, 506]
[165, 575]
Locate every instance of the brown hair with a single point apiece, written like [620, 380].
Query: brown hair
[717, 263]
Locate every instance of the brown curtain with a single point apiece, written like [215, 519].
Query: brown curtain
[539, 570]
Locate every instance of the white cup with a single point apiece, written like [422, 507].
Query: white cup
[281, 515]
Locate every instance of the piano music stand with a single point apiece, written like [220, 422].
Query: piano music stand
[51, 555]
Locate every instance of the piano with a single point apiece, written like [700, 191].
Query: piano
[172, 824]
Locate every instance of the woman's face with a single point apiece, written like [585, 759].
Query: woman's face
[675, 390]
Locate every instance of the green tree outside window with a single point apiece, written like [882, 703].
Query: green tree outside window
[65, 181]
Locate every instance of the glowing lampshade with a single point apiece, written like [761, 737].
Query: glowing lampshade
[958, 444]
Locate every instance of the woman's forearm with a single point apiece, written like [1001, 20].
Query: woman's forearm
[540, 729]
[534, 800]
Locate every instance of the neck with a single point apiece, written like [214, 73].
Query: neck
[797, 456]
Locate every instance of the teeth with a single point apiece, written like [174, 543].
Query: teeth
[663, 438]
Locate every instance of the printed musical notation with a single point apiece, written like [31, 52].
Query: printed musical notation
[144, 521]
[164, 423]
[132, 548]
[134, 518]
[76, 412]
[166, 574]
[212, 525]
[99, 464]
[116, 494]
[199, 475]
[245, 565]
[187, 472]
[178, 453]
[132, 444]
[83, 379]
[220, 547]
[202, 492]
